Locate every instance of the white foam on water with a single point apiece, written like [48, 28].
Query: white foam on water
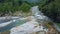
[6, 23]
[38, 14]
[26, 28]
[29, 27]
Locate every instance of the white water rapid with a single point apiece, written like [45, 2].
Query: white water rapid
[33, 26]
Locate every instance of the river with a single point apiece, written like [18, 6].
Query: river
[7, 24]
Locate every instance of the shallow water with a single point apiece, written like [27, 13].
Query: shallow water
[4, 20]
[11, 25]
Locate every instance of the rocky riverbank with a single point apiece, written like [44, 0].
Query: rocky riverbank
[33, 27]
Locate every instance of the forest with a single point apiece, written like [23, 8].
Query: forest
[50, 8]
